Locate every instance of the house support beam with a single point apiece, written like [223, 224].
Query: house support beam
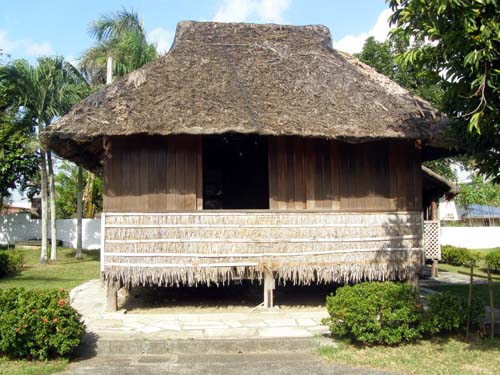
[269, 286]
[112, 288]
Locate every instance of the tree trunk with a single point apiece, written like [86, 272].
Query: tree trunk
[89, 207]
[79, 214]
[45, 206]
[52, 197]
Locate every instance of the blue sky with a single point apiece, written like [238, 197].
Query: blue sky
[30, 28]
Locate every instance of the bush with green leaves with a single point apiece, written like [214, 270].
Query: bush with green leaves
[10, 261]
[38, 324]
[493, 260]
[375, 313]
[459, 256]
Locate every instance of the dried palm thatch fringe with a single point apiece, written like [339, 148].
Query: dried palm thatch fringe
[296, 274]
[248, 78]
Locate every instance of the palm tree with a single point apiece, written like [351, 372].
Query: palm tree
[120, 36]
[45, 91]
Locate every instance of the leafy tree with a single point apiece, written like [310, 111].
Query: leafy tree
[18, 161]
[67, 187]
[383, 56]
[458, 43]
[120, 36]
[480, 192]
[43, 92]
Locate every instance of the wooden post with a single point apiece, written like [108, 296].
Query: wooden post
[112, 287]
[434, 269]
[469, 301]
[492, 305]
[269, 286]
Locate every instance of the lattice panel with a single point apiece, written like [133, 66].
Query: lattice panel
[432, 243]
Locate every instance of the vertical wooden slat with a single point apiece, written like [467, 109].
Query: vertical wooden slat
[199, 173]
[335, 155]
[298, 158]
[171, 175]
[282, 182]
[273, 173]
[191, 174]
[309, 159]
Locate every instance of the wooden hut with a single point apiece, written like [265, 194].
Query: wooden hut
[255, 150]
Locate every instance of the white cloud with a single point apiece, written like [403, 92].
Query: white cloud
[38, 49]
[354, 43]
[162, 38]
[242, 10]
[25, 47]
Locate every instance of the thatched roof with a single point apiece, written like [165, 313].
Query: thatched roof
[439, 184]
[247, 78]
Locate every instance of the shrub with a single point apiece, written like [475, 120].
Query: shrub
[493, 260]
[38, 324]
[448, 312]
[459, 256]
[10, 261]
[375, 313]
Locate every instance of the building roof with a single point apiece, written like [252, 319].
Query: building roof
[439, 184]
[478, 211]
[248, 78]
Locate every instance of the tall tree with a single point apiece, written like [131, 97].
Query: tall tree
[45, 91]
[458, 43]
[120, 36]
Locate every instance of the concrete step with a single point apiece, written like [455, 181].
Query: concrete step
[134, 345]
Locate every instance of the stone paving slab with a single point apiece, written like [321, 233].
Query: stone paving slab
[89, 299]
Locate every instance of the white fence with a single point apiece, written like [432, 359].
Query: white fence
[471, 237]
[19, 227]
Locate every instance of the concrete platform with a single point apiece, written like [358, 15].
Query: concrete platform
[163, 333]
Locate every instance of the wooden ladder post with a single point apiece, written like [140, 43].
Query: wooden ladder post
[112, 288]
[269, 286]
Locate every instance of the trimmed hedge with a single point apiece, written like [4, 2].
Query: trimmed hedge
[389, 313]
[459, 256]
[493, 260]
[375, 313]
[38, 324]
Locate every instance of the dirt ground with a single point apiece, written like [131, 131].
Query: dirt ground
[234, 298]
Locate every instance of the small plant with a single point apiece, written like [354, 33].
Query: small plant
[446, 312]
[459, 256]
[375, 313]
[38, 324]
[493, 260]
[10, 261]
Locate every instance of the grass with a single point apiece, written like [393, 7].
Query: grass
[31, 367]
[67, 272]
[442, 356]
[479, 272]
[478, 290]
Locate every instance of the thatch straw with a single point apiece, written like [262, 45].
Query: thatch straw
[248, 78]
[172, 249]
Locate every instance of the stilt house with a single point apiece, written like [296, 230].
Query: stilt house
[253, 150]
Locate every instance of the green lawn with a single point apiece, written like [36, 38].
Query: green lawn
[67, 272]
[479, 272]
[31, 368]
[442, 356]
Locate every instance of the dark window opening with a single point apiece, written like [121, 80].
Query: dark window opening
[235, 172]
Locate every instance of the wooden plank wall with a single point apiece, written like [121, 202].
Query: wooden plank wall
[160, 174]
[322, 174]
[152, 174]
